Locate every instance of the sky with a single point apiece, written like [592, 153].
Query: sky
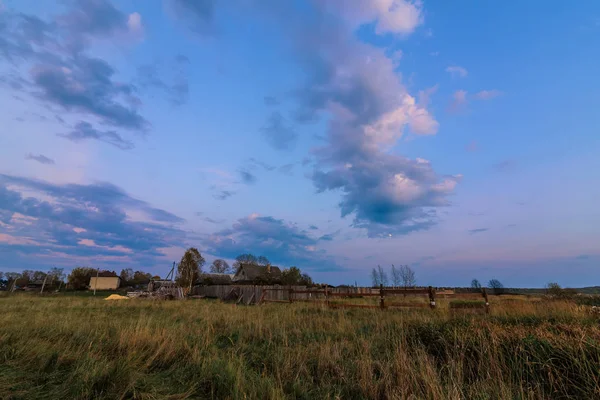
[333, 136]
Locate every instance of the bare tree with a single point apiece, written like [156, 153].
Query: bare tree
[126, 275]
[396, 278]
[475, 284]
[375, 277]
[383, 278]
[408, 276]
[220, 266]
[496, 286]
[246, 258]
[263, 261]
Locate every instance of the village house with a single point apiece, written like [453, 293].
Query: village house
[257, 274]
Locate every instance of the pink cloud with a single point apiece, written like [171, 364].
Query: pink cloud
[15, 240]
[487, 94]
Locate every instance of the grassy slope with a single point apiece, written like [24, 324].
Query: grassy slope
[69, 347]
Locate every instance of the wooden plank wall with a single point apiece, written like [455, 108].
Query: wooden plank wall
[280, 292]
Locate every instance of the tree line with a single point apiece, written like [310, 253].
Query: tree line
[78, 279]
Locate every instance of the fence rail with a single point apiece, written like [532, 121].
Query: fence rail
[257, 294]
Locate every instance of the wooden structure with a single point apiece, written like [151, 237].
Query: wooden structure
[104, 283]
[424, 297]
[256, 274]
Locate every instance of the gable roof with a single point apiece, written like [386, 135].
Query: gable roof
[215, 279]
[254, 272]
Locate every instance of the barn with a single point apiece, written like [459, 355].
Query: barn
[105, 283]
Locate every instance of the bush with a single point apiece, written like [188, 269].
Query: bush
[556, 292]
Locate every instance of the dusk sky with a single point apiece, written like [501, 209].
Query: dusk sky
[461, 138]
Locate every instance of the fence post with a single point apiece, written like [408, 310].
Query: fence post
[381, 296]
[487, 303]
[326, 297]
[290, 291]
[431, 298]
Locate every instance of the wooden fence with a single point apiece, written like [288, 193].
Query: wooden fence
[387, 297]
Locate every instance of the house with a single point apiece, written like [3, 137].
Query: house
[215, 279]
[105, 283]
[34, 286]
[251, 273]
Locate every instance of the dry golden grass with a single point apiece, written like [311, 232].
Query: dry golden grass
[68, 347]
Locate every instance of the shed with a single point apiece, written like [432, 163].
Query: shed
[252, 273]
[105, 283]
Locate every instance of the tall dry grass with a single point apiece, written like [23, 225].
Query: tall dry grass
[66, 347]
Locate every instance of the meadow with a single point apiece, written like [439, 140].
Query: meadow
[56, 346]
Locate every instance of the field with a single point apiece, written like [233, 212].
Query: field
[55, 347]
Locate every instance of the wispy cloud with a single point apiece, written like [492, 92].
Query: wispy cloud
[487, 94]
[85, 131]
[504, 165]
[223, 195]
[42, 159]
[478, 230]
[459, 101]
[247, 177]
[457, 71]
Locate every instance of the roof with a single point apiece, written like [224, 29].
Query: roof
[106, 274]
[215, 279]
[254, 272]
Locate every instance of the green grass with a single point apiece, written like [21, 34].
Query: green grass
[55, 347]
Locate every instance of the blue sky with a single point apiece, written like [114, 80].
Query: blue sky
[330, 135]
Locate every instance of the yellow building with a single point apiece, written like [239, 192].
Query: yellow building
[105, 283]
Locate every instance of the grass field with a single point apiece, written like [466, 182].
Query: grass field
[58, 347]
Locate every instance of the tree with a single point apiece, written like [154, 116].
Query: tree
[79, 278]
[291, 276]
[496, 286]
[24, 278]
[11, 276]
[408, 276]
[383, 278]
[189, 267]
[244, 259]
[220, 266]
[126, 276]
[263, 261]
[306, 280]
[554, 290]
[396, 278]
[375, 277]
[141, 277]
[56, 275]
[475, 284]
